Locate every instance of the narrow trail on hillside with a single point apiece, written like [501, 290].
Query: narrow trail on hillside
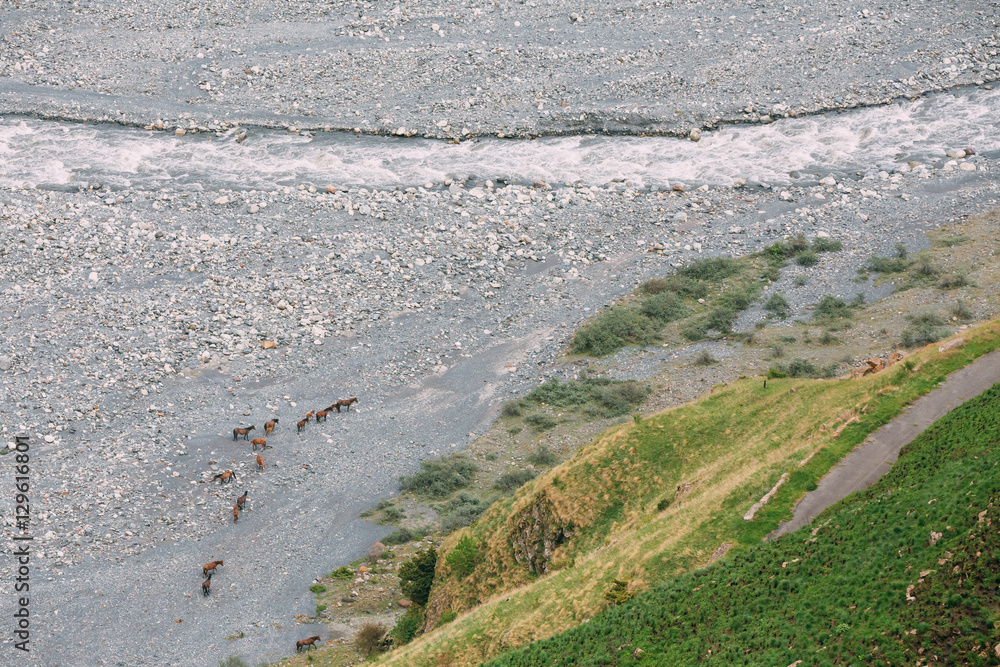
[866, 464]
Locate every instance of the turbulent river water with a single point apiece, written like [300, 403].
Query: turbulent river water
[66, 155]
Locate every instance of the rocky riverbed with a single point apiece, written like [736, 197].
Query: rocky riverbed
[482, 68]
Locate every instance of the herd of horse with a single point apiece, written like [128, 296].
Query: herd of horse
[228, 476]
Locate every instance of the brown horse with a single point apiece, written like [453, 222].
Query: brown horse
[345, 403]
[241, 500]
[301, 425]
[269, 426]
[236, 513]
[224, 477]
[245, 432]
[306, 643]
[206, 586]
[258, 441]
[321, 414]
[309, 415]
[260, 462]
[210, 567]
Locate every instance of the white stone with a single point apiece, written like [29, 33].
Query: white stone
[222, 201]
[93, 276]
[829, 181]
[967, 166]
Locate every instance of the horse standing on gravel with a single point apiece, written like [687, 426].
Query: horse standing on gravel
[236, 514]
[269, 426]
[245, 432]
[241, 501]
[344, 403]
[209, 568]
[206, 586]
[260, 462]
[224, 477]
[258, 441]
[302, 425]
[306, 643]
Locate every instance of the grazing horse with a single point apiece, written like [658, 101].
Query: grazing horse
[210, 567]
[345, 403]
[269, 426]
[258, 441]
[236, 514]
[245, 432]
[224, 477]
[260, 462]
[241, 500]
[301, 425]
[321, 414]
[206, 586]
[306, 643]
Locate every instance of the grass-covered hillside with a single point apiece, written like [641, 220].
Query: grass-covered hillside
[905, 573]
[654, 499]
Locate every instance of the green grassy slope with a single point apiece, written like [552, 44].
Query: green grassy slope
[650, 501]
[837, 593]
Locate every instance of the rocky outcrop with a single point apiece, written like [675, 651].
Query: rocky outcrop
[537, 534]
[876, 364]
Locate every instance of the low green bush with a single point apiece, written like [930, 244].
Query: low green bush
[440, 477]
[514, 480]
[543, 456]
[416, 576]
[460, 511]
[778, 305]
[463, 557]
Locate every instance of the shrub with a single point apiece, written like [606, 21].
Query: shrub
[342, 573]
[858, 300]
[831, 308]
[887, 265]
[828, 339]
[951, 241]
[439, 477]
[391, 515]
[924, 267]
[233, 661]
[376, 552]
[541, 421]
[408, 625]
[320, 608]
[370, 639]
[416, 576]
[513, 408]
[962, 311]
[739, 298]
[953, 281]
[663, 308]
[461, 510]
[543, 456]
[318, 588]
[777, 352]
[704, 358]
[677, 284]
[618, 399]
[695, 331]
[801, 280]
[384, 503]
[923, 329]
[800, 368]
[402, 536]
[710, 269]
[778, 305]
[618, 593]
[613, 329]
[721, 319]
[663, 504]
[827, 245]
[807, 258]
[463, 558]
[900, 250]
[513, 480]
[447, 617]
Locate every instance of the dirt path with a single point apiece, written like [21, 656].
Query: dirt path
[866, 464]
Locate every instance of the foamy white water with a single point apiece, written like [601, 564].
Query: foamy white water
[50, 154]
